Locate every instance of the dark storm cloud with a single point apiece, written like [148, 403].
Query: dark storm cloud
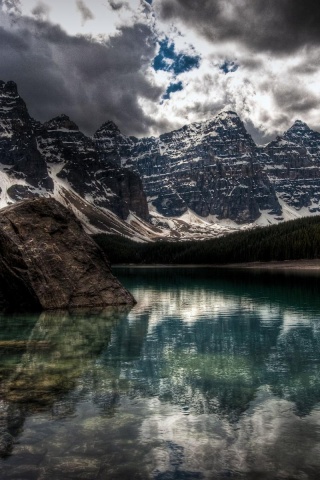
[10, 40]
[117, 5]
[41, 10]
[251, 63]
[258, 136]
[307, 64]
[11, 6]
[89, 81]
[85, 12]
[295, 99]
[278, 26]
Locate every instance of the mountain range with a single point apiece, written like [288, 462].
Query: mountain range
[203, 180]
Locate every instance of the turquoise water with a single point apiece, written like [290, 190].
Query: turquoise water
[212, 375]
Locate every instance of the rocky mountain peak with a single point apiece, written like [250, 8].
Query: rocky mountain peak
[299, 127]
[108, 129]
[300, 123]
[229, 118]
[225, 124]
[61, 122]
[9, 88]
[18, 148]
[11, 104]
[212, 168]
[208, 167]
[301, 134]
[227, 114]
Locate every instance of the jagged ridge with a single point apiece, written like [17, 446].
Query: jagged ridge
[33, 151]
[196, 177]
[215, 169]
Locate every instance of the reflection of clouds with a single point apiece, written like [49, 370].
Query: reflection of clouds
[158, 394]
[292, 319]
[187, 305]
[192, 305]
[203, 438]
[269, 438]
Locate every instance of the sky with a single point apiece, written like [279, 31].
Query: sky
[152, 66]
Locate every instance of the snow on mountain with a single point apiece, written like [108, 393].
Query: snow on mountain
[292, 163]
[205, 179]
[210, 168]
[215, 170]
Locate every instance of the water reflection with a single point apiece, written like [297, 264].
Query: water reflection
[43, 358]
[212, 374]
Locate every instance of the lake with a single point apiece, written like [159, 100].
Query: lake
[214, 374]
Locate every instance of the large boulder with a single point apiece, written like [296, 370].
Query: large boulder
[48, 262]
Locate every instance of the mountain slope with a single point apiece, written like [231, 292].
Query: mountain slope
[292, 163]
[37, 160]
[215, 170]
[203, 180]
[210, 168]
[18, 147]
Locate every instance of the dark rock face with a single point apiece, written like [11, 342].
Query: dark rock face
[301, 134]
[48, 262]
[18, 147]
[22, 192]
[292, 163]
[211, 168]
[91, 175]
[110, 143]
[30, 151]
[6, 443]
[215, 168]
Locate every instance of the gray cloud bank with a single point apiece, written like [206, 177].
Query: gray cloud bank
[41, 11]
[262, 32]
[92, 81]
[278, 26]
[89, 81]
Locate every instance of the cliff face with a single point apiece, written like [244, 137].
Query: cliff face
[48, 262]
[212, 170]
[35, 154]
[210, 167]
[18, 146]
[215, 169]
[292, 163]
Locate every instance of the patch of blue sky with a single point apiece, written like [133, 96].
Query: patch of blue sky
[228, 67]
[171, 61]
[173, 87]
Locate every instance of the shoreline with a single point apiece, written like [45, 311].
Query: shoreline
[293, 265]
[279, 265]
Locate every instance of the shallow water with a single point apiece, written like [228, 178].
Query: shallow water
[213, 374]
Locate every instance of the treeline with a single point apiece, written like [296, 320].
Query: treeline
[293, 240]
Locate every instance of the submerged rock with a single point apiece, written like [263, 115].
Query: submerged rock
[6, 443]
[47, 261]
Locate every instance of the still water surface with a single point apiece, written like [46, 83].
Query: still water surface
[212, 375]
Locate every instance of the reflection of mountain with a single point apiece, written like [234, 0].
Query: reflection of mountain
[210, 375]
[291, 290]
[41, 365]
[210, 346]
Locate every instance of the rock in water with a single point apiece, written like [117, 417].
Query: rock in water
[47, 261]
